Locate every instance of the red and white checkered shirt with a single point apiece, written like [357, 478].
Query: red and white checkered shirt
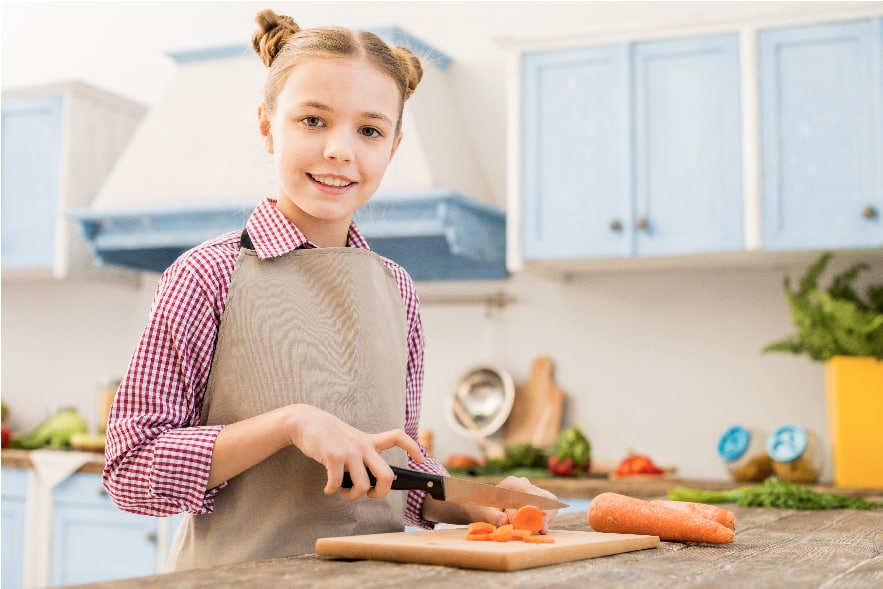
[158, 456]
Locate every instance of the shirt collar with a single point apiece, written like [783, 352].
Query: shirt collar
[274, 235]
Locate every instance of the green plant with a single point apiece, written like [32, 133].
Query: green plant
[835, 321]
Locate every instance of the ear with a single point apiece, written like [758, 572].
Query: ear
[395, 146]
[264, 128]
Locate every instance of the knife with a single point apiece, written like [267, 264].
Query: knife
[456, 490]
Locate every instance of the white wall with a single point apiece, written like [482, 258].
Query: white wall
[661, 362]
[657, 361]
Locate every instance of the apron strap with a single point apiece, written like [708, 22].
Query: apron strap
[245, 240]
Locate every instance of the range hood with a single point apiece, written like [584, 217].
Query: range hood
[196, 168]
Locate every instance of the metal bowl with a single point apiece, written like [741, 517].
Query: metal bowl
[486, 392]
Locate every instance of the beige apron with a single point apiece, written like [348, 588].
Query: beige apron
[325, 327]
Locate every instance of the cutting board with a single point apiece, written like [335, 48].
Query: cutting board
[449, 547]
[536, 412]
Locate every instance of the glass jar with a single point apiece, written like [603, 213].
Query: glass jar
[107, 388]
[745, 455]
[796, 454]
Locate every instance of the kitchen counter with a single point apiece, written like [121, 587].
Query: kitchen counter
[774, 548]
[12, 458]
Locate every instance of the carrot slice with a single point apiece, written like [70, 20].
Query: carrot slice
[502, 534]
[539, 539]
[519, 534]
[478, 537]
[529, 518]
[724, 517]
[612, 512]
[480, 528]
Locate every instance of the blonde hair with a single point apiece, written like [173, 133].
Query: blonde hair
[282, 44]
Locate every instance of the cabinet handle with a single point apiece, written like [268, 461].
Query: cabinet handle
[615, 225]
[151, 537]
[641, 223]
[869, 212]
[102, 491]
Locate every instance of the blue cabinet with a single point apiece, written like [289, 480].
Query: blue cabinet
[632, 150]
[31, 131]
[92, 540]
[12, 521]
[822, 135]
[59, 143]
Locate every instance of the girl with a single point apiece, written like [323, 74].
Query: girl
[277, 359]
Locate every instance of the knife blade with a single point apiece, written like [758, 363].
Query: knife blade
[445, 488]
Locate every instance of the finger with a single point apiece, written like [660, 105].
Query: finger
[384, 478]
[335, 477]
[397, 437]
[359, 477]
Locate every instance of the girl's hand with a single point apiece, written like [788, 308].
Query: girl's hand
[340, 447]
[452, 513]
[524, 485]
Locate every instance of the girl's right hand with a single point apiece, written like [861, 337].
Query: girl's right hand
[340, 448]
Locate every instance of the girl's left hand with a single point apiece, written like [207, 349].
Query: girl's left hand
[524, 485]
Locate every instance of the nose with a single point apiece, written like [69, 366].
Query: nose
[339, 145]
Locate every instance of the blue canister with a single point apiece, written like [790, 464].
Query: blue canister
[795, 454]
[744, 453]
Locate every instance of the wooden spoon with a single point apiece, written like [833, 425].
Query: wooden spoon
[490, 449]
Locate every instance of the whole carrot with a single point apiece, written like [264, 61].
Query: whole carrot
[724, 517]
[612, 512]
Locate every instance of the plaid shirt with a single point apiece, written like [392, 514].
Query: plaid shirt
[158, 456]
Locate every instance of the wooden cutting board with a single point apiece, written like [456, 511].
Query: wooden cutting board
[536, 412]
[449, 547]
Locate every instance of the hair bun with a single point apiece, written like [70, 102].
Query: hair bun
[272, 34]
[411, 65]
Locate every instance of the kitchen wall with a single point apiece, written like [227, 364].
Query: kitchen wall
[656, 360]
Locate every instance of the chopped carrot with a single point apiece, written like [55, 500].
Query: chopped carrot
[480, 528]
[520, 534]
[539, 539]
[529, 518]
[612, 512]
[724, 517]
[479, 537]
[502, 534]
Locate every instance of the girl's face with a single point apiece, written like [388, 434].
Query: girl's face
[332, 135]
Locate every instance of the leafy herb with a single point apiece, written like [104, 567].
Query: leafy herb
[836, 321]
[774, 493]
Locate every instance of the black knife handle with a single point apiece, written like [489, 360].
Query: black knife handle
[408, 480]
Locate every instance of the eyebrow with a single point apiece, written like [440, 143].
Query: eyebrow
[322, 106]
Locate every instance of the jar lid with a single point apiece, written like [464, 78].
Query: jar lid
[787, 443]
[734, 443]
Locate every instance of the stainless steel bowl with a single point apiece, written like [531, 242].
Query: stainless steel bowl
[486, 392]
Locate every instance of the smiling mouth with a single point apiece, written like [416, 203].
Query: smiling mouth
[334, 182]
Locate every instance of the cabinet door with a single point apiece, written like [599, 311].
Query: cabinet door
[29, 181]
[93, 540]
[576, 150]
[12, 521]
[822, 135]
[688, 179]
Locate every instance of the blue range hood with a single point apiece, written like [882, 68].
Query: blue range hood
[195, 168]
[436, 235]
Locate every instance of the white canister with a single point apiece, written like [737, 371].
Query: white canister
[744, 453]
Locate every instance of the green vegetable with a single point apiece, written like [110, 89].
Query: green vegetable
[55, 432]
[518, 456]
[836, 321]
[573, 444]
[774, 493]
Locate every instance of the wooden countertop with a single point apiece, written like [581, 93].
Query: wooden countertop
[774, 548]
[12, 458]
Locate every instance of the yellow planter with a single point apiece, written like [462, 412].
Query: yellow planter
[854, 388]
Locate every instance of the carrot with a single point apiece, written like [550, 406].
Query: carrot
[479, 537]
[502, 534]
[612, 512]
[529, 518]
[520, 534]
[724, 517]
[539, 539]
[480, 528]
